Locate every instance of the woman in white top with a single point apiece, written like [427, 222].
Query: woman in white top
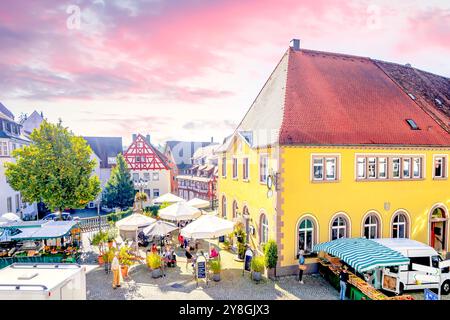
[115, 267]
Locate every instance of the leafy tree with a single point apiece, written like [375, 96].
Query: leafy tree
[119, 190]
[271, 255]
[55, 169]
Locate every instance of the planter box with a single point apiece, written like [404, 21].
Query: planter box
[156, 273]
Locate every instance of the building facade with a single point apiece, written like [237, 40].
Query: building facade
[105, 151]
[148, 164]
[340, 146]
[11, 137]
[179, 157]
[200, 180]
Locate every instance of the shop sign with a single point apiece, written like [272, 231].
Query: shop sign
[201, 269]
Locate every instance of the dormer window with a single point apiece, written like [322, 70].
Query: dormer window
[412, 124]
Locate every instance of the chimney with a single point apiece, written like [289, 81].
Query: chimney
[134, 136]
[147, 137]
[42, 115]
[295, 44]
[212, 139]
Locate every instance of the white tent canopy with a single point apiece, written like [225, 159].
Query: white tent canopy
[208, 227]
[159, 228]
[179, 211]
[10, 217]
[198, 203]
[134, 222]
[167, 197]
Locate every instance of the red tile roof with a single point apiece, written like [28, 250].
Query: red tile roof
[345, 100]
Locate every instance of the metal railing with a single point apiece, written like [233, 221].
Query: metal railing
[93, 223]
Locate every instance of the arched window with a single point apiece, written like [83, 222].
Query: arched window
[306, 235]
[235, 209]
[400, 226]
[224, 207]
[371, 226]
[264, 232]
[339, 228]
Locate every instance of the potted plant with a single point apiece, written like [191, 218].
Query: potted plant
[241, 250]
[271, 255]
[108, 257]
[257, 267]
[111, 236]
[97, 240]
[154, 263]
[125, 260]
[215, 268]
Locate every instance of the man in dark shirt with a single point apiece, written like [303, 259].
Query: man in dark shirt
[343, 277]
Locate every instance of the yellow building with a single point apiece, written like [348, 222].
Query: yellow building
[339, 146]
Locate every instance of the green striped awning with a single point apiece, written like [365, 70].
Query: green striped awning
[362, 254]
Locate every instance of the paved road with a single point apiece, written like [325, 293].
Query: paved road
[179, 283]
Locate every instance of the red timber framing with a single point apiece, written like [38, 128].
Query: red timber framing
[141, 155]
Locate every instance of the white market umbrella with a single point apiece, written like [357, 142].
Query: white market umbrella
[134, 222]
[208, 227]
[198, 203]
[167, 197]
[159, 228]
[179, 211]
[10, 217]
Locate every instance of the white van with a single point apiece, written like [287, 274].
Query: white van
[400, 278]
[43, 281]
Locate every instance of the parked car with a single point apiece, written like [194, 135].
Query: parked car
[106, 209]
[53, 216]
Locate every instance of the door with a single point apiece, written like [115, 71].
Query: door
[67, 291]
[424, 261]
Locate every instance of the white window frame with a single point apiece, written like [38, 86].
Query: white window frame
[235, 171]
[404, 161]
[245, 169]
[224, 167]
[345, 227]
[264, 156]
[321, 164]
[305, 231]
[404, 223]
[334, 177]
[382, 164]
[371, 224]
[420, 167]
[154, 193]
[444, 166]
[155, 176]
[264, 232]
[374, 167]
[324, 158]
[399, 167]
[363, 163]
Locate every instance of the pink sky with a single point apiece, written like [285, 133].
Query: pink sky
[190, 69]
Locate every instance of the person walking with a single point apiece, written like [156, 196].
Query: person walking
[115, 267]
[188, 256]
[301, 265]
[343, 279]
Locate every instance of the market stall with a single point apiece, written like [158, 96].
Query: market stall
[365, 258]
[41, 242]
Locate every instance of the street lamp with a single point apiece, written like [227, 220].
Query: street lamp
[140, 185]
[98, 212]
